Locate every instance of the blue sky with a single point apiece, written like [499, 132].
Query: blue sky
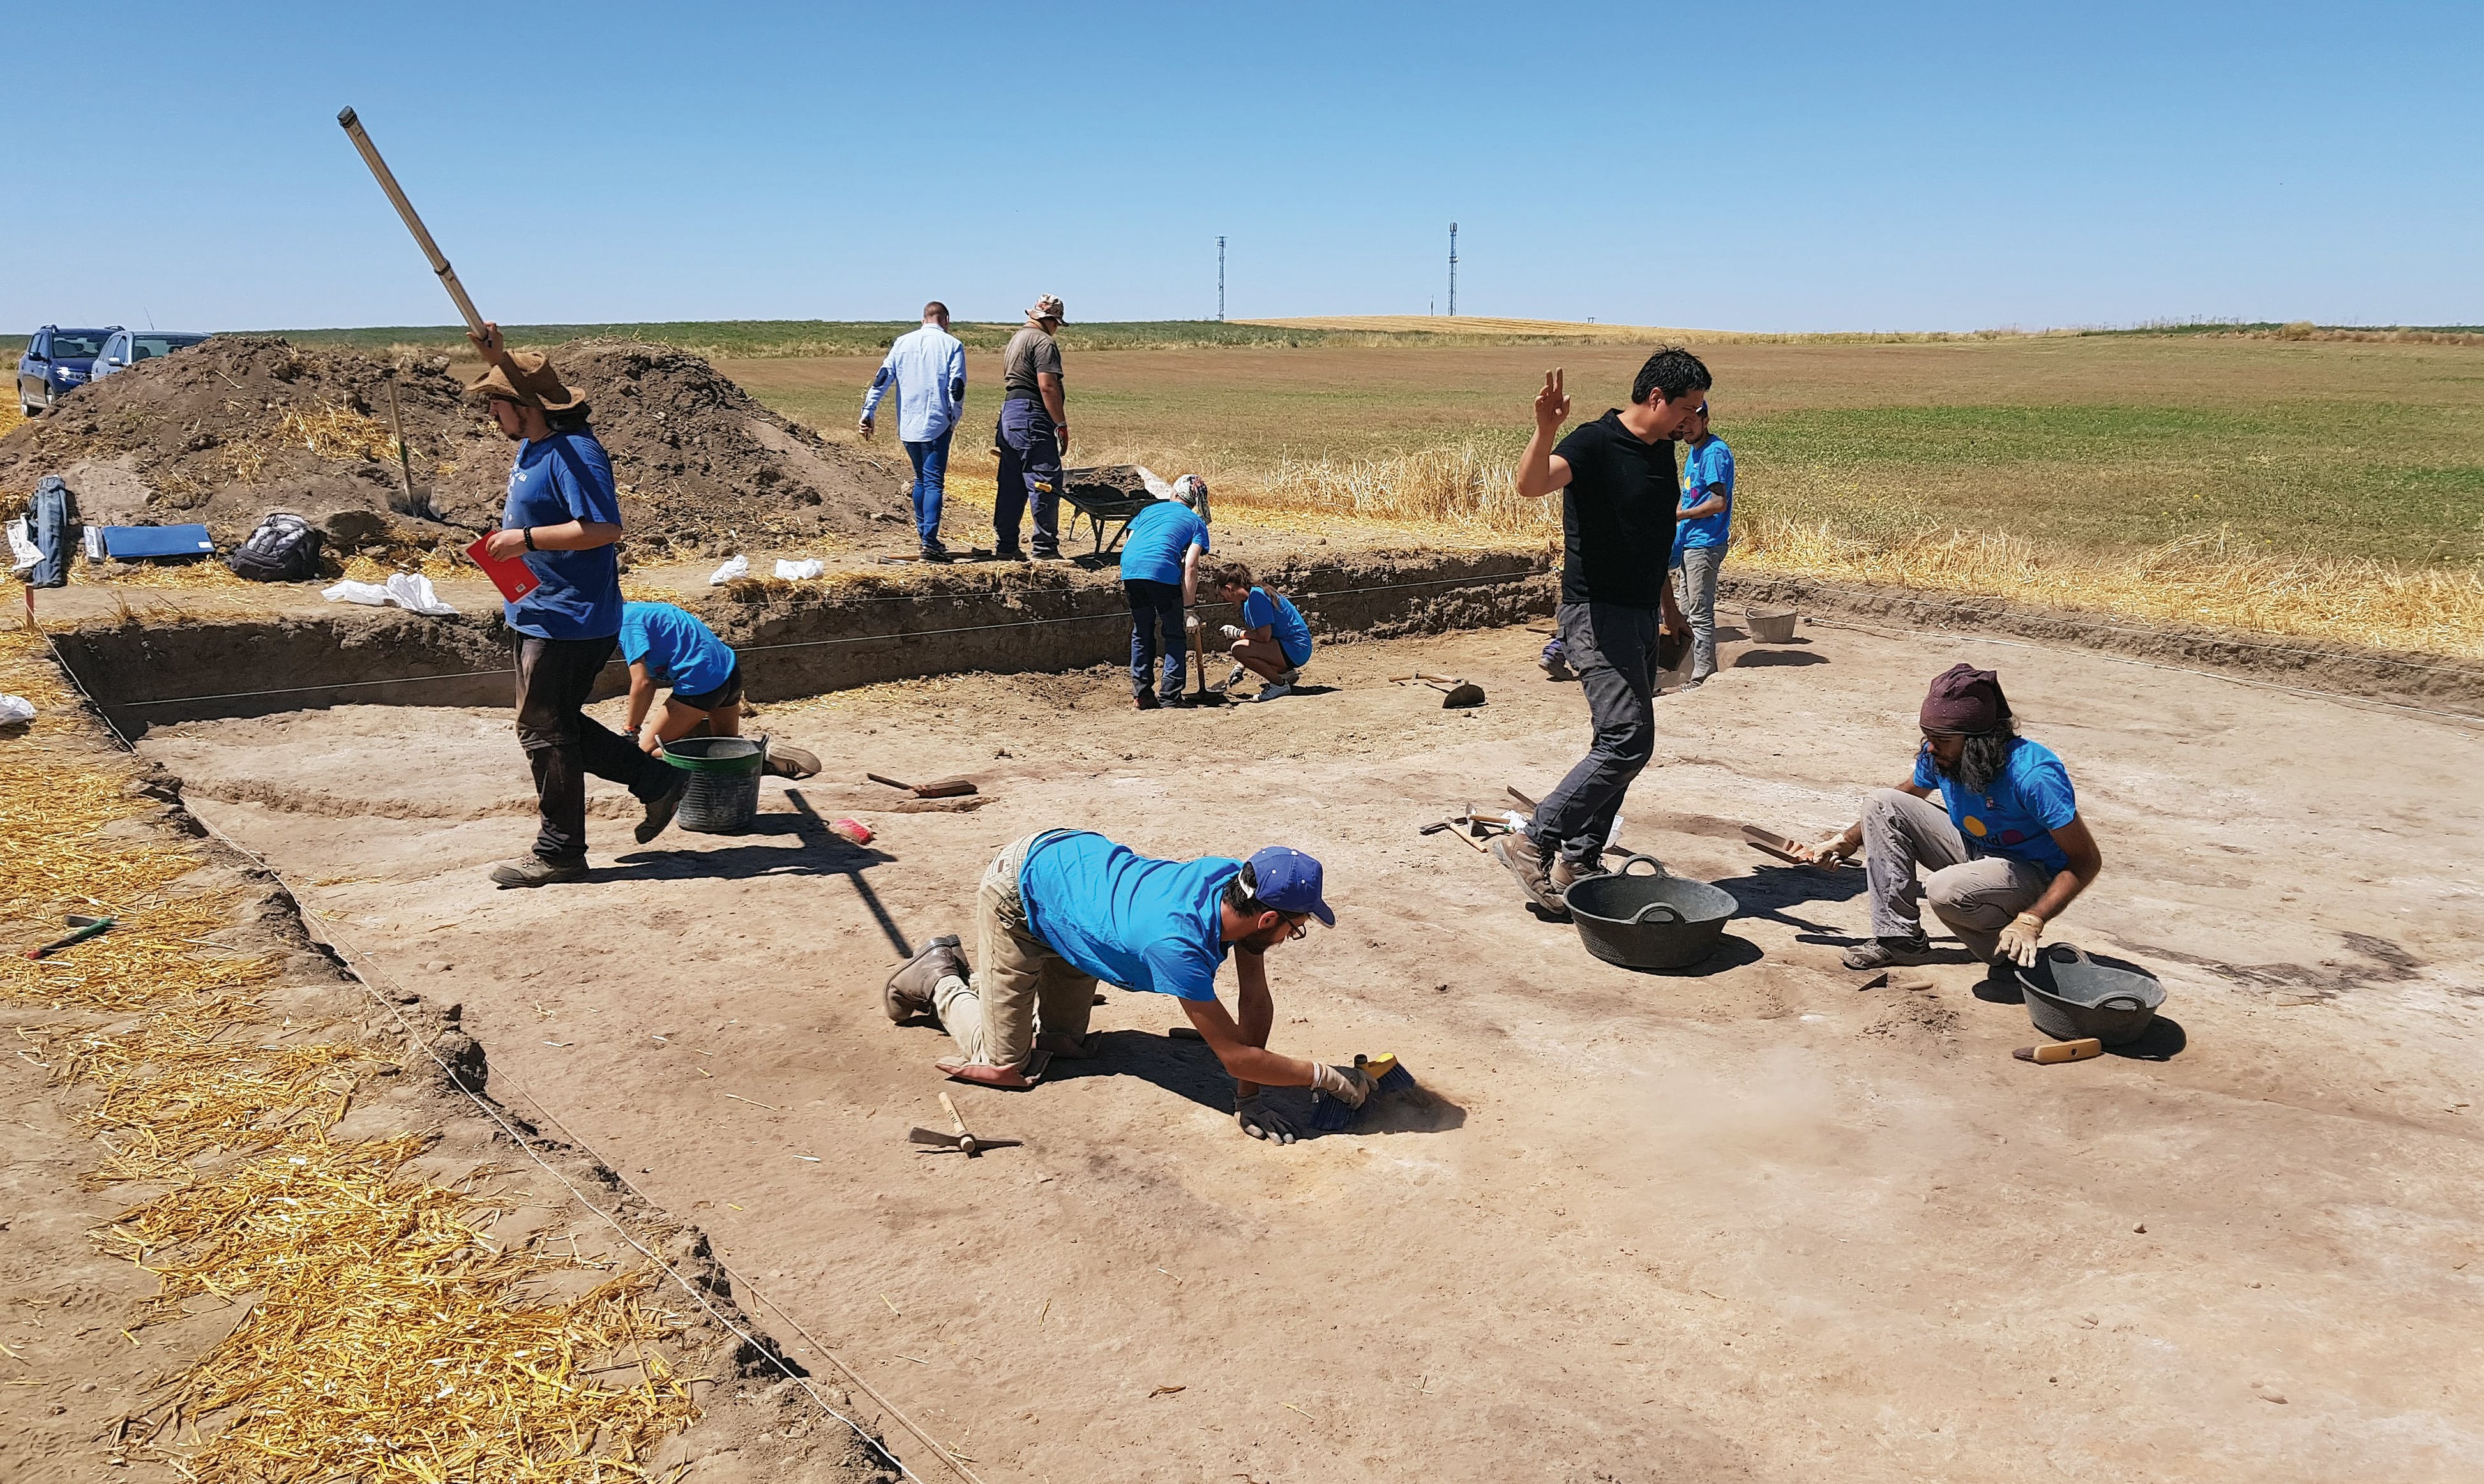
[1759, 167]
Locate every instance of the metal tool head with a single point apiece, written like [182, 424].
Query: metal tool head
[938, 1142]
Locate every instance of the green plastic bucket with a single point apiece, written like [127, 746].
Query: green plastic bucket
[723, 795]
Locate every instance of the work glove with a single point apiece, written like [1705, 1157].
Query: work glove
[1262, 1122]
[1230, 632]
[2019, 940]
[1348, 1084]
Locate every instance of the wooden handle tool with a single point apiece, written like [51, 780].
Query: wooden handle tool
[2057, 1051]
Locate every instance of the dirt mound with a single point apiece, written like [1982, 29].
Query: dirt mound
[225, 431]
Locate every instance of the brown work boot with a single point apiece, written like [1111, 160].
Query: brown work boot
[1533, 872]
[909, 990]
[1566, 871]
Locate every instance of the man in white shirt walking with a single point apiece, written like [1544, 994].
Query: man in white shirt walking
[926, 369]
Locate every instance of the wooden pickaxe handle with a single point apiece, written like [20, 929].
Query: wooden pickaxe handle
[965, 1140]
[353, 128]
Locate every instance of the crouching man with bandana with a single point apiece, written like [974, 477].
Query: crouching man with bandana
[1061, 910]
[2006, 859]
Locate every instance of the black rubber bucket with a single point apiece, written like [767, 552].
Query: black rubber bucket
[2070, 997]
[723, 795]
[1650, 920]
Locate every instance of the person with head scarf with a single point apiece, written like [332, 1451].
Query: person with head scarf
[2009, 854]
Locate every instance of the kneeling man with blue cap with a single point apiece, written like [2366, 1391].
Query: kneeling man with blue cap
[1061, 909]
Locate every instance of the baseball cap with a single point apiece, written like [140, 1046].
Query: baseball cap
[1289, 881]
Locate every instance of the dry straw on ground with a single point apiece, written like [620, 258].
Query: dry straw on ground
[386, 1336]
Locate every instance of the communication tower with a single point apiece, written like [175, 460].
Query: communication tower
[1220, 280]
[1453, 270]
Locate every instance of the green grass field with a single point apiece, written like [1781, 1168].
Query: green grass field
[2337, 449]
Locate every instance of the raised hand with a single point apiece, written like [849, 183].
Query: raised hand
[490, 343]
[1551, 404]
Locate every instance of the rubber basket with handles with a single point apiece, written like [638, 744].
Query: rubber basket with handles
[1648, 920]
[723, 795]
[2071, 996]
[1771, 626]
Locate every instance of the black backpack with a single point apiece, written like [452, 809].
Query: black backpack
[284, 548]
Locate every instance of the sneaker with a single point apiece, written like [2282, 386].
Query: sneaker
[536, 871]
[1145, 700]
[909, 990]
[1007, 553]
[1884, 953]
[1273, 689]
[1554, 667]
[660, 809]
[1525, 862]
[790, 761]
[938, 553]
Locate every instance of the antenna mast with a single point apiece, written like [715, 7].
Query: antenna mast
[1453, 270]
[1220, 280]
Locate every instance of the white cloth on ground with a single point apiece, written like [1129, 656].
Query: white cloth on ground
[736, 567]
[408, 590]
[807, 567]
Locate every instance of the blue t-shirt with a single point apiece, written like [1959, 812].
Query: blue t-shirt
[1130, 921]
[679, 650]
[1702, 465]
[2013, 818]
[1264, 610]
[566, 477]
[1159, 536]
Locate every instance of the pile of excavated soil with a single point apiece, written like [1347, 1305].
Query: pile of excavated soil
[225, 431]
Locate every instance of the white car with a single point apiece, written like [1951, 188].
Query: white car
[127, 347]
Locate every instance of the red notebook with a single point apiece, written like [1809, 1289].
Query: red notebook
[514, 579]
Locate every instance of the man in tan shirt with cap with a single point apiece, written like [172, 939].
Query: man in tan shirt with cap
[1033, 435]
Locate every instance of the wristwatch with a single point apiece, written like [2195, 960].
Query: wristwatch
[530, 538]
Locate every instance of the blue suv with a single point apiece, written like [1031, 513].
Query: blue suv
[57, 362]
[127, 347]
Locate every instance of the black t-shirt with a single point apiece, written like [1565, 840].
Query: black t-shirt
[1618, 515]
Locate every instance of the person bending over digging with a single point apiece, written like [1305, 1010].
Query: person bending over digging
[1160, 578]
[1618, 498]
[2010, 853]
[561, 519]
[1272, 641]
[1061, 909]
[669, 646]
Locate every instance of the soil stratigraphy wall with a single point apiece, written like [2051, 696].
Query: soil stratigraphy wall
[2429, 681]
[797, 638]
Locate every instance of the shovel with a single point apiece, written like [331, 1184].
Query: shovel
[937, 788]
[408, 500]
[960, 1142]
[1455, 694]
[1770, 842]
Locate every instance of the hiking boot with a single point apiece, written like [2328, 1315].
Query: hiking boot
[789, 761]
[1533, 872]
[662, 807]
[1555, 667]
[1145, 700]
[1007, 553]
[536, 871]
[938, 553]
[909, 990]
[1567, 871]
[1887, 952]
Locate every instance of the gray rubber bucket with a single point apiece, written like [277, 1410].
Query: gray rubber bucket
[723, 795]
[1771, 626]
[2070, 997]
[1653, 920]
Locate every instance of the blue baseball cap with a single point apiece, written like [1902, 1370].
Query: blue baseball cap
[1289, 881]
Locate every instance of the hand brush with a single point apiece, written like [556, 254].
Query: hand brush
[1330, 1116]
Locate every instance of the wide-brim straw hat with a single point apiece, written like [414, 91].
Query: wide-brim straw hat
[528, 379]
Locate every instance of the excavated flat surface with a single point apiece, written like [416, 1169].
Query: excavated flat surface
[1745, 1222]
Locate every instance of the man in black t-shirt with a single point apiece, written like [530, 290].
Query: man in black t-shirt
[1618, 498]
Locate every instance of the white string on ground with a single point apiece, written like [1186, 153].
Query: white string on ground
[494, 1114]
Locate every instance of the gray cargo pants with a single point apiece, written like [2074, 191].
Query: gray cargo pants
[1975, 898]
[1696, 592]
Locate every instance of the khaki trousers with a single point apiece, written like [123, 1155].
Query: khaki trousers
[1021, 989]
[1976, 899]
